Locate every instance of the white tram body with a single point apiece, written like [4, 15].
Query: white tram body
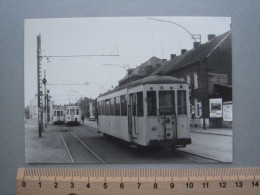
[58, 115]
[149, 112]
[72, 115]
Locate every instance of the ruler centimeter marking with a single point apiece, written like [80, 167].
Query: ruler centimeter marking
[224, 181]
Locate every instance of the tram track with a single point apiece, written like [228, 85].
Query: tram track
[200, 158]
[73, 144]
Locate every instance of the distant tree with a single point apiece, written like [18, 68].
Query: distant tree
[84, 106]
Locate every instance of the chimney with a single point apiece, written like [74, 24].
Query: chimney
[129, 71]
[196, 45]
[183, 51]
[211, 36]
[173, 56]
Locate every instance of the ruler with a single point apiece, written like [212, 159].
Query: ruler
[227, 181]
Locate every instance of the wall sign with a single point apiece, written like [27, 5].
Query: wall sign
[215, 108]
[227, 111]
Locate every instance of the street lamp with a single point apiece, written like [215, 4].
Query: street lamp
[202, 61]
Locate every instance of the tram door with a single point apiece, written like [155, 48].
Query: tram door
[167, 114]
[132, 115]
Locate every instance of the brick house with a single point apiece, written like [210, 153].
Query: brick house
[208, 69]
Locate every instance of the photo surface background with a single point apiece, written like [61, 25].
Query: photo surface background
[246, 58]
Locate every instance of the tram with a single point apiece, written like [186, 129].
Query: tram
[72, 115]
[153, 111]
[58, 115]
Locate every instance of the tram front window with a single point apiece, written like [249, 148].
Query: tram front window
[72, 111]
[166, 102]
[151, 103]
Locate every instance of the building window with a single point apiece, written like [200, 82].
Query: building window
[188, 79]
[117, 106]
[140, 104]
[55, 113]
[123, 103]
[151, 103]
[181, 95]
[77, 111]
[195, 80]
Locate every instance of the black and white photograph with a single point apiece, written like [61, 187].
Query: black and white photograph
[128, 90]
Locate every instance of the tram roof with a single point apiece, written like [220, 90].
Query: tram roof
[154, 79]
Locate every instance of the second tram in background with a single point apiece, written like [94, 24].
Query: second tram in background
[58, 115]
[72, 115]
[150, 111]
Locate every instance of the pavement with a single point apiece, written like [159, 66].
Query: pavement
[215, 131]
[90, 123]
[47, 149]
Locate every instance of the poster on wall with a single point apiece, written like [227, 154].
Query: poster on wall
[215, 108]
[227, 111]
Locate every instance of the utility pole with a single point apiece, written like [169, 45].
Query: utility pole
[39, 87]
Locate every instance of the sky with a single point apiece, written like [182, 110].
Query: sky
[130, 41]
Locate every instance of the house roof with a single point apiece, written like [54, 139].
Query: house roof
[193, 56]
[154, 79]
[142, 69]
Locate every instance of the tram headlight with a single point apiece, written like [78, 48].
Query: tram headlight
[154, 128]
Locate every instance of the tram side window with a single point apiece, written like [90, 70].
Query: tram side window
[151, 103]
[181, 102]
[140, 104]
[68, 112]
[132, 99]
[107, 106]
[117, 106]
[103, 107]
[61, 113]
[123, 103]
[112, 107]
[99, 108]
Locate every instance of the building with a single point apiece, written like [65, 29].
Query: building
[142, 71]
[92, 110]
[208, 69]
[33, 108]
